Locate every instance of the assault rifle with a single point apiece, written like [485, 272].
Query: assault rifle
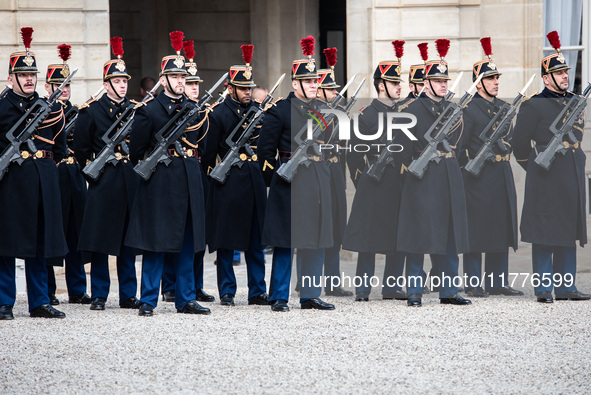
[441, 127]
[25, 127]
[170, 133]
[113, 137]
[492, 133]
[300, 155]
[248, 124]
[72, 114]
[562, 129]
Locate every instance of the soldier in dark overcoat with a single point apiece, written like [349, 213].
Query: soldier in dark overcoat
[192, 81]
[554, 207]
[491, 200]
[327, 92]
[373, 220]
[110, 197]
[72, 191]
[236, 209]
[30, 210]
[299, 214]
[432, 216]
[168, 215]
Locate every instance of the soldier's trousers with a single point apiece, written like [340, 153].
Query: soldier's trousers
[366, 266]
[551, 260]
[100, 280]
[169, 274]
[280, 274]
[496, 266]
[7, 281]
[153, 265]
[311, 275]
[255, 266]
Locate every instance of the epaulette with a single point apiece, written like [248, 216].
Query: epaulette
[134, 101]
[61, 102]
[530, 96]
[86, 105]
[405, 105]
[361, 110]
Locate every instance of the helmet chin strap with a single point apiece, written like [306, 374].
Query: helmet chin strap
[18, 82]
[433, 90]
[386, 89]
[484, 87]
[303, 90]
[556, 85]
[114, 91]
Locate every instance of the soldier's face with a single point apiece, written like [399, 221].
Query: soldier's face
[561, 78]
[394, 89]
[305, 89]
[436, 87]
[116, 86]
[241, 94]
[415, 88]
[192, 90]
[66, 91]
[26, 83]
[177, 83]
[491, 84]
[327, 95]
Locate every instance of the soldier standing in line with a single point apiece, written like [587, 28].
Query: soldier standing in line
[416, 80]
[168, 212]
[327, 92]
[236, 208]
[192, 81]
[373, 220]
[491, 200]
[72, 190]
[298, 214]
[554, 223]
[432, 216]
[110, 197]
[29, 192]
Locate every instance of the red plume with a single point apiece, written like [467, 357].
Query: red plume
[247, 53]
[442, 46]
[423, 50]
[331, 56]
[117, 46]
[308, 45]
[485, 41]
[554, 40]
[189, 47]
[27, 35]
[64, 51]
[176, 40]
[398, 48]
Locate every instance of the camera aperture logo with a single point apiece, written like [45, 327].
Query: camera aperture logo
[319, 122]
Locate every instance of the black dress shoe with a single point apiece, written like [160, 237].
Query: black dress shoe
[201, 296]
[98, 304]
[146, 310]
[53, 300]
[46, 311]
[362, 297]
[573, 295]
[414, 300]
[506, 290]
[227, 300]
[6, 312]
[455, 299]
[194, 308]
[169, 296]
[317, 304]
[261, 300]
[80, 299]
[545, 297]
[280, 305]
[131, 303]
[477, 292]
[396, 294]
[338, 291]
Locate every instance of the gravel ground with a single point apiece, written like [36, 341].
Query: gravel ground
[499, 344]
